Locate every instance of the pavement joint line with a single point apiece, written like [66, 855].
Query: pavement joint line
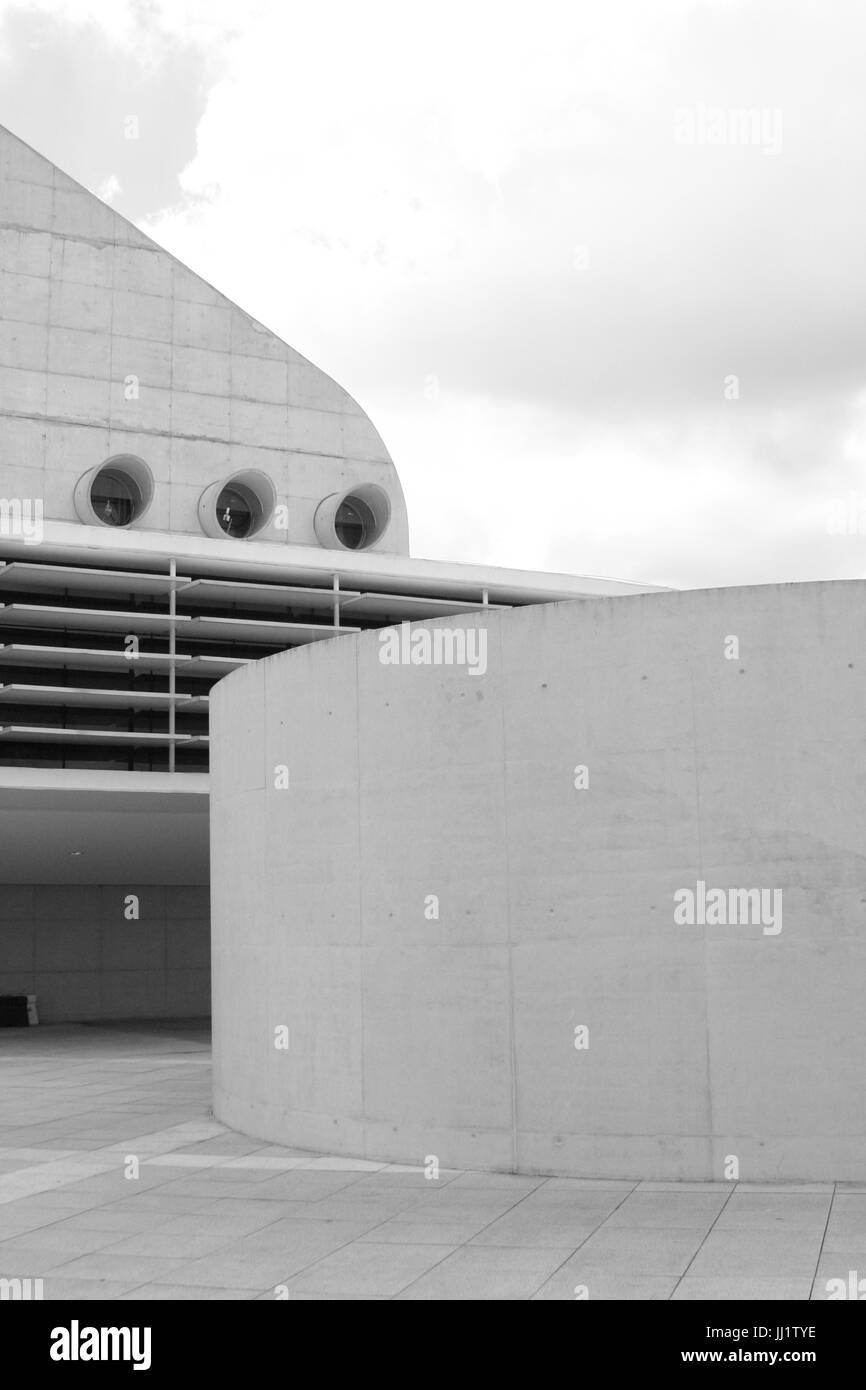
[712, 1225]
[823, 1239]
[578, 1247]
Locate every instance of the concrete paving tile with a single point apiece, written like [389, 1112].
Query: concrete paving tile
[759, 1211]
[281, 1151]
[307, 1185]
[775, 1254]
[725, 1288]
[293, 1235]
[259, 1214]
[849, 1266]
[687, 1187]
[466, 1209]
[393, 1179]
[208, 1192]
[697, 1210]
[24, 1223]
[421, 1232]
[107, 1219]
[250, 1263]
[36, 1155]
[260, 1219]
[844, 1235]
[59, 1199]
[223, 1172]
[304, 1297]
[231, 1271]
[373, 1269]
[175, 1293]
[293, 1186]
[495, 1182]
[126, 1270]
[589, 1184]
[539, 1227]
[158, 1202]
[785, 1188]
[47, 1177]
[57, 1288]
[494, 1199]
[109, 1138]
[113, 1183]
[593, 1202]
[848, 1210]
[13, 1165]
[19, 1217]
[226, 1144]
[37, 1263]
[369, 1210]
[183, 1163]
[421, 1169]
[638, 1250]
[178, 1239]
[565, 1286]
[264, 1163]
[485, 1273]
[84, 1142]
[337, 1164]
[54, 1237]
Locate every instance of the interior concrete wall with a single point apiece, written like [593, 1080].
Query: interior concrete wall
[455, 1037]
[73, 946]
[87, 301]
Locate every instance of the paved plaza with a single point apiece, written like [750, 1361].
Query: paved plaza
[215, 1214]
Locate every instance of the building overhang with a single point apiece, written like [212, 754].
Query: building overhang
[66, 542]
[60, 825]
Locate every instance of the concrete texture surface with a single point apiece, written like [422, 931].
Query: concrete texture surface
[87, 303]
[213, 1214]
[429, 904]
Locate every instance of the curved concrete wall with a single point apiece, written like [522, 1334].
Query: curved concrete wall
[412, 1035]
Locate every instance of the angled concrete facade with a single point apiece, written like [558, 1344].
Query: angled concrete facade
[110, 347]
[133, 398]
[435, 879]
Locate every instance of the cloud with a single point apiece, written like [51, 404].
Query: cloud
[109, 189]
[108, 93]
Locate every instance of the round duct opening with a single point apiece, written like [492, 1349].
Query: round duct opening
[116, 493]
[354, 519]
[239, 506]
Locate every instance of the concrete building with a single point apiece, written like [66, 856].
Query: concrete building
[597, 910]
[564, 877]
[181, 493]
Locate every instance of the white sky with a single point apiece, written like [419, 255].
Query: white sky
[487, 222]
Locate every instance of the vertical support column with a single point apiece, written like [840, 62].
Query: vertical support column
[336, 600]
[484, 599]
[172, 653]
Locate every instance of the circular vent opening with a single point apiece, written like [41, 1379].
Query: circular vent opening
[238, 507]
[354, 519]
[116, 493]
[354, 524]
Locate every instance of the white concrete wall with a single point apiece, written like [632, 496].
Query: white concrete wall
[75, 948]
[412, 1037]
[86, 300]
